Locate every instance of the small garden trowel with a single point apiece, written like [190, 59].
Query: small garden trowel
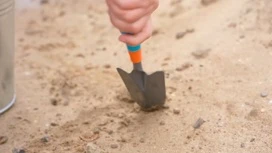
[147, 90]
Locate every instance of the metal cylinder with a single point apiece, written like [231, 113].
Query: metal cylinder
[7, 49]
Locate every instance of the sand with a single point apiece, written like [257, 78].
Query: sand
[217, 60]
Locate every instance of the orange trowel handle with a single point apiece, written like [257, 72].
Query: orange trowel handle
[135, 53]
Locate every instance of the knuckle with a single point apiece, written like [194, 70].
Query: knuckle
[135, 28]
[128, 18]
[122, 4]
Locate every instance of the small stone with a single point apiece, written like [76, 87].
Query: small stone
[165, 106]
[110, 132]
[176, 111]
[162, 123]
[54, 102]
[61, 13]
[270, 102]
[44, 1]
[45, 139]
[184, 67]
[252, 140]
[232, 25]
[3, 139]
[264, 94]
[122, 139]
[53, 124]
[242, 145]
[103, 122]
[96, 130]
[136, 107]
[80, 55]
[207, 2]
[142, 140]
[198, 123]
[181, 34]
[86, 122]
[114, 146]
[121, 115]
[15, 150]
[253, 113]
[88, 66]
[107, 66]
[167, 58]
[201, 53]
[262, 110]
[89, 137]
[190, 30]
[242, 36]
[92, 148]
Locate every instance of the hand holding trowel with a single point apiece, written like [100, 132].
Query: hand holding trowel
[147, 90]
[134, 17]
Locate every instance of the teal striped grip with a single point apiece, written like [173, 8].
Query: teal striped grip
[133, 48]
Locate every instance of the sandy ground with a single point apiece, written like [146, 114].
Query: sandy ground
[217, 60]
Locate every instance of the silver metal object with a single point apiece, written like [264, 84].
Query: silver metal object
[7, 49]
[147, 90]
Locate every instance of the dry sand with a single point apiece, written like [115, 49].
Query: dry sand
[217, 59]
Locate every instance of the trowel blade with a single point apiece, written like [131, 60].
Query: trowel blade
[147, 90]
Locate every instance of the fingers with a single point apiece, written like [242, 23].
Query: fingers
[138, 38]
[132, 28]
[129, 16]
[132, 16]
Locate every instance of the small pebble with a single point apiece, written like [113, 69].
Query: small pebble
[162, 123]
[252, 140]
[190, 30]
[54, 101]
[270, 102]
[93, 148]
[114, 146]
[45, 139]
[198, 123]
[181, 34]
[142, 140]
[262, 110]
[165, 106]
[53, 124]
[176, 111]
[3, 139]
[242, 145]
[184, 67]
[264, 94]
[207, 2]
[107, 66]
[44, 1]
[232, 25]
[201, 53]
[15, 150]
[120, 115]
[110, 132]
[122, 139]
[96, 130]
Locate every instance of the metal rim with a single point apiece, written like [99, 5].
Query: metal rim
[9, 105]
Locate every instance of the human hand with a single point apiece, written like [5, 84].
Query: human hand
[133, 17]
